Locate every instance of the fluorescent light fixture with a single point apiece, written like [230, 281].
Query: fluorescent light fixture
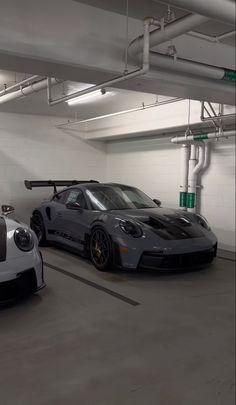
[86, 98]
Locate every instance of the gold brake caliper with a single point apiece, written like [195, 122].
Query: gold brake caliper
[98, 251]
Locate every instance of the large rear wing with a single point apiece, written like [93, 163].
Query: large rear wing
[30, 184]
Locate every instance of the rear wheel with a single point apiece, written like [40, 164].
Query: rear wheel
[101, 249]
[38, 227]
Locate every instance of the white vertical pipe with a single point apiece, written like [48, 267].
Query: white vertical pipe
[193, 175]
[192, 164]
[184, 177]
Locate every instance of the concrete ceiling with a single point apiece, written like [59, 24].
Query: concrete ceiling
[84, 41]
[139, 9]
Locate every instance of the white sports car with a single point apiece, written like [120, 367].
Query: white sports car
[21, 266]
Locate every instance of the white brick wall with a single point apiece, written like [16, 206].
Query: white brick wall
[32, 148]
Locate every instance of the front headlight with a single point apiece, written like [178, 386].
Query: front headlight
[24, 239]
[203, 222]
[131, 228]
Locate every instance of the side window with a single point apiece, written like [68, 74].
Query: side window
[76, 196]
[60, 197]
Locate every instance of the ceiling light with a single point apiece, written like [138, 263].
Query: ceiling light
[87, 98]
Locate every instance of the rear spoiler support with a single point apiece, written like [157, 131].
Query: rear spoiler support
[30, 184]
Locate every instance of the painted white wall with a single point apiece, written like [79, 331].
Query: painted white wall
[32, 148]
[154, 166]
[157, 120]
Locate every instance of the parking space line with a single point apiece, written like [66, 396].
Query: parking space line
[226, 258]
[94, 285]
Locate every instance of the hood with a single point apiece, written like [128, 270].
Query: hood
[166, 223]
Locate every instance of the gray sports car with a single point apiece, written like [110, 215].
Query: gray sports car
[119, 226]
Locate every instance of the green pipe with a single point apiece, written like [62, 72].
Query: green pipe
[191, 200]
[229, 75]
[200, 137]
[183, 199]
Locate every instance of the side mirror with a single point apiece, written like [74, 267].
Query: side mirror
[73, 206]
[7, 210]
[157, 202]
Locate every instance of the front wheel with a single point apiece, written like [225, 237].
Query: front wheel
[101, 249]
[37, 225]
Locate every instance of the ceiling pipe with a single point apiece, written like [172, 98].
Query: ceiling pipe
[191, 67]
[203, 137]
[219, 10]
[175, 64]
[19, 84]
[167, 32]
[226, 35]
[214, 117]
[144, 107]
[126, 76]
[219, 117]
[211, 38]
[25, 91]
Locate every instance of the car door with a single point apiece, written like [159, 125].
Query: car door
[54, 215]
[75, 222]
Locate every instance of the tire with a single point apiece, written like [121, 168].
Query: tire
[37, 225]
[100, 249]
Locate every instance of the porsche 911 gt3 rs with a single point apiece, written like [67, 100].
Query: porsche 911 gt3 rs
[21, 268]
[118, 225]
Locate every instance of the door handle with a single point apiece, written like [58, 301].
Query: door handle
[59, 215]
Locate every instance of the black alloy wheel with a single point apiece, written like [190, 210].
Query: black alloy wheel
[37, 225]
[101, 250]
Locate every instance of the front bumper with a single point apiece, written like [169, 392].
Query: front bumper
[155, 261]
[152, 253]
[24, 284]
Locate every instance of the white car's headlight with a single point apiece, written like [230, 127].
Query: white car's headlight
[24, 239]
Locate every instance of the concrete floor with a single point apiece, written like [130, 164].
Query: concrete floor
[75, 343]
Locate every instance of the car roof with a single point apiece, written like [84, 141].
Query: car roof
[95, 185]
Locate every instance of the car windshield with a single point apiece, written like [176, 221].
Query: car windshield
[109, 197]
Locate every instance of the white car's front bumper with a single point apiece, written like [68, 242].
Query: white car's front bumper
[21, 274]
